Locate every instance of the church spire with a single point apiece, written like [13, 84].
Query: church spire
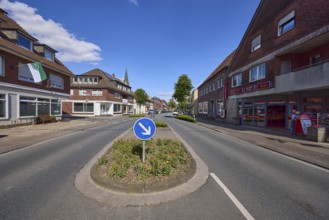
[126, 81]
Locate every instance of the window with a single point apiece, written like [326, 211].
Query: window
[205, 107]
[55, 107]
[95, 80]
[256, 43]
[75, 80]
[83, 92]
[220, 107]
[71, 91]
[27, 106]
[257, 73]
[315, 59]
[3, 105]
[43, 106]
[117, 95]
[97, 92]
[285, 66]
[49, 55]
[56, 81]
[24, 73]
[200, 109]
[237, 80]
[2, 70]
[220, 82]
[286, 23]
[24, 42]
[84, 107]
[117, 108]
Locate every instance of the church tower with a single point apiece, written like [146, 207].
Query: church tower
[126, 81]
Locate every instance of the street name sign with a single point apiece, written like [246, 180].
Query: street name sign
[144, 129]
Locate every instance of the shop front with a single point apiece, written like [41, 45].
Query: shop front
[275, 111]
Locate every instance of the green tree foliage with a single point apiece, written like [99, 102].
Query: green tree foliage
[172, 104]
[183, 89]
[140, 97]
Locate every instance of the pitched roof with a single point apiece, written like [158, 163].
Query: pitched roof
[11, 47]
[107, 81]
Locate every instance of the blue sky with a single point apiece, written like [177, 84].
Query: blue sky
[156, 40]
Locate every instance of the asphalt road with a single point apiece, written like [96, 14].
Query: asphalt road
[267, 184]
[37, 182]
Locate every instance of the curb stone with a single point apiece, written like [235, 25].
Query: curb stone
[87, 187]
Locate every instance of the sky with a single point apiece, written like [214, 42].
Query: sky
[155, 40]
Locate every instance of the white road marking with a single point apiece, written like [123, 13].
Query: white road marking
[236, 202]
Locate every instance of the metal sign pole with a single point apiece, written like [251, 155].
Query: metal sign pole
[143, 151]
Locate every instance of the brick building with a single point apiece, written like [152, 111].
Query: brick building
[22, 99]
[97, 93]
[213, 92]
[281, 65]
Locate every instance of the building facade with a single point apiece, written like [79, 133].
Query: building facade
[22, 99]
[213, 92]
[97, 93]
[281, 65]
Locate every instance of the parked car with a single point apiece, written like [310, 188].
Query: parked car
[175, 113]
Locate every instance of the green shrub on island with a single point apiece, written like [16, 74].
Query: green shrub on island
[186, 118]
[136, 115]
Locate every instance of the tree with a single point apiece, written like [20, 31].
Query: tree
[140, 97]
[172, 104]
[183, 89]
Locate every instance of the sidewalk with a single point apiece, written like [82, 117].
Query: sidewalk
[23, 136]
[279, 141]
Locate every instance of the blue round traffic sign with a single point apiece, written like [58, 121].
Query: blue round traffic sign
[144, 129]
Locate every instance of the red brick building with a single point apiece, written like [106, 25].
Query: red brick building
[21, 98]
[97, 93]
[281, 65]
[213, 92]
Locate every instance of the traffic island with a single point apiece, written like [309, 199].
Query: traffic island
[167, 165]
[91, 184]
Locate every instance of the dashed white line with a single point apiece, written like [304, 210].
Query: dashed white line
[236, 202]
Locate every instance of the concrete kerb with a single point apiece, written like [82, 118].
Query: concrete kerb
[87, 187]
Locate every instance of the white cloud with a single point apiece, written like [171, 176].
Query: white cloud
[165, 94]
[135, 2]
[69, 47]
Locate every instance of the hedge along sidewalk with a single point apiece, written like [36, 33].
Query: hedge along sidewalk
[86, 186]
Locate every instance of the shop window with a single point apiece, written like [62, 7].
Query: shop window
[3, 105]
[311, 100]
[237, 80]
[117, 108]
[257, 73]
[43, 106]
[83, 107]
[55, 107]
[27, 106]
[286, 23]
[256, 43]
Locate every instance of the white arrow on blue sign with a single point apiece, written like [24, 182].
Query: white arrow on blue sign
[144, 129]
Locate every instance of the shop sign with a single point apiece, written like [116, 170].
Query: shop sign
[250, 88]
[264, 85]
[238, 90]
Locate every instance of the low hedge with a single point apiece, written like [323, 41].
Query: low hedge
[186, 118]
[160, 124]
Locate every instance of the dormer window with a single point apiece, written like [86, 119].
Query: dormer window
[49, 55]
[24, 42]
